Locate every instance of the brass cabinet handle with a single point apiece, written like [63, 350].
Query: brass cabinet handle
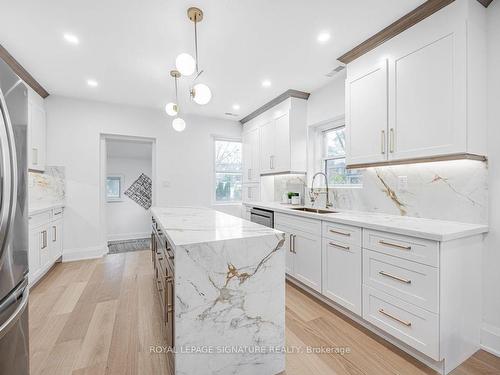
[406, 281]
[339, 246]
[382, 142]
[382, 242]
[408, 324]
[341, 233]
[391, 140]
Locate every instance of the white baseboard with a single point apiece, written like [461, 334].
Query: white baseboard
[490, 339]
[128, 236]
[70, 255]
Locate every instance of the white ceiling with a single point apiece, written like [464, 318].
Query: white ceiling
[128, 149]
[130, 46]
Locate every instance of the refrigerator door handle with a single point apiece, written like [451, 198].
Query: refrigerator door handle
[5, 327]
[6, 174]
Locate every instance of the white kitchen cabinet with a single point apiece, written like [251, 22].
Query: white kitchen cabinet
[342, 273]
[56, 231]
[366, 115]
[251, 156]
[283, 137]
[251, 192]
[306, 248]
[410, 290]
[281, 155]
[37, 142]
[267, 139]
[421, 94]
[303, 249]
[45, 241]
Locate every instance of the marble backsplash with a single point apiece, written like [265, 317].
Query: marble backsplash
[452, 190]
[47, 187]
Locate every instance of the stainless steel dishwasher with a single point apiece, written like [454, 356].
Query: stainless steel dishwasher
[263, 217]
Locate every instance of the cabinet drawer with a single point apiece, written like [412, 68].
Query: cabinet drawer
[39, 219]
[412, 282]
[408, 323]
[340, 232]
[303, 224]
[411, 248]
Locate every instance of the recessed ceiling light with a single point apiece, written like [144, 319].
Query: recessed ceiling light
[266, 83]
[70, 38]
[236, 107]
[323, 37]
[92, 83]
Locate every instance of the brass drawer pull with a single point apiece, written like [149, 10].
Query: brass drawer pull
[383, 273]
[408, 324]
[339, 246]
[341, 233]
[382, 242]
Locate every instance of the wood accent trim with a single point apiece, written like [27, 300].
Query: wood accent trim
[485, 3]
[408, 20]
[287, 94]
[22, 73]
[430, 159]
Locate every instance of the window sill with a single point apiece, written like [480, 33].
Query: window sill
[231, 203]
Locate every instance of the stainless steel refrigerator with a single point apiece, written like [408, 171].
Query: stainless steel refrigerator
[14, 335]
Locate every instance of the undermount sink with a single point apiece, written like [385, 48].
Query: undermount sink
[314, 210]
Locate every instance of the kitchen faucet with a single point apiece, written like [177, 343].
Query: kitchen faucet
[313, 195]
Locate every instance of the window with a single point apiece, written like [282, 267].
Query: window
[334, 159]
[114, 187]
[228, 174]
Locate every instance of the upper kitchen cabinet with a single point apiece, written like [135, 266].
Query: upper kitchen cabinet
[421, 95]
[282, 137]
[251, 155]
[37, 142]
[366, 115]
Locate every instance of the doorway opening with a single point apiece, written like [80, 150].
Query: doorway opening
[127, 192]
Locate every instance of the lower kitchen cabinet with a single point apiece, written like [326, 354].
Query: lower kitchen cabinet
[303, 249]
[45, 242]
[342, 274]
[412, 289]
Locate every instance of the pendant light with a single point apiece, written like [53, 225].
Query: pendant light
[200, 93]
[173, 109]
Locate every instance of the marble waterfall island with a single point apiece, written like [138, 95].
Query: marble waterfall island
[229, 292]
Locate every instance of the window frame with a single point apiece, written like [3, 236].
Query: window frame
[325, 158]
[215, 202]
[121, 178]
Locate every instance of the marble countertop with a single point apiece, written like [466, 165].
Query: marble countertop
[437, 230]
[37, 208]
[190, 225]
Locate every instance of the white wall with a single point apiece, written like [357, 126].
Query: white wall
[126, 219]
[327, 102]
[184, 169]
[491, 271]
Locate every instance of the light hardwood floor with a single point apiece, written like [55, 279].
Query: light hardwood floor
[101, 316]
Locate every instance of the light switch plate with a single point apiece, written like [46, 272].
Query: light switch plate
[403, 183]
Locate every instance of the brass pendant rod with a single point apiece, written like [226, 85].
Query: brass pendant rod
[196, 44]
[177, 97]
